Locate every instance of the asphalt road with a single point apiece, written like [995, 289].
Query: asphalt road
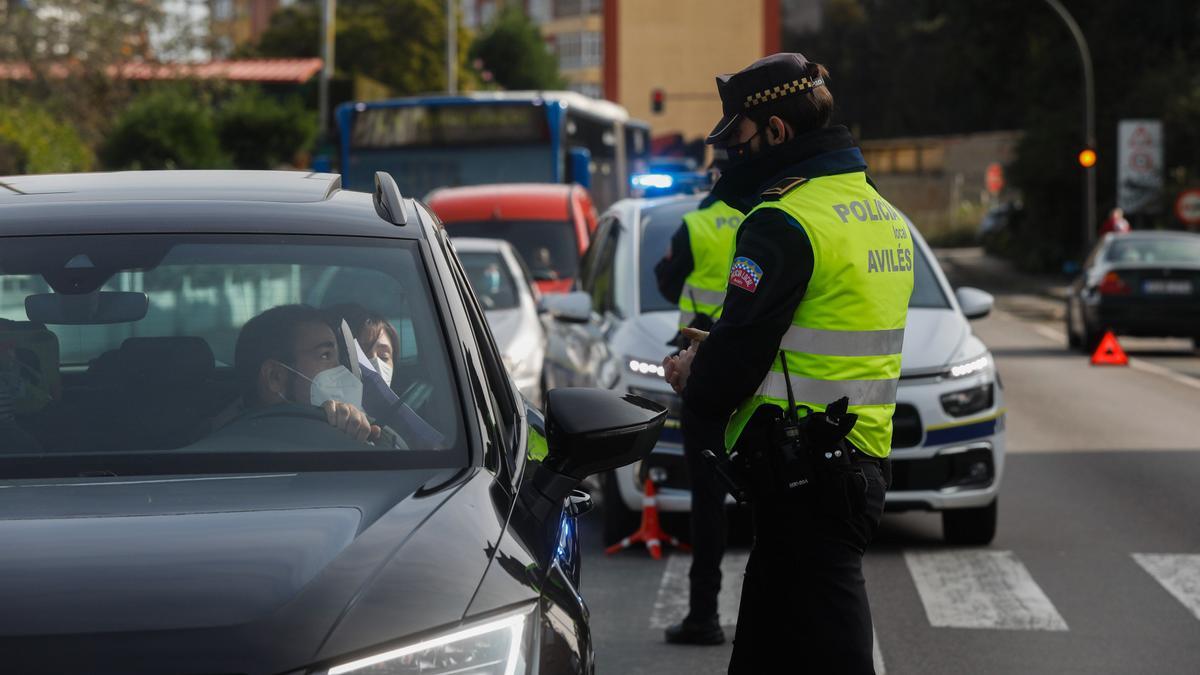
[1096, 566]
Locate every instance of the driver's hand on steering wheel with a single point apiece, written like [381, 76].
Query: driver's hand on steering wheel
[350, 421]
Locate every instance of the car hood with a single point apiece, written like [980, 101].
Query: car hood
[932, 338]
[243, 574]
[649, 333]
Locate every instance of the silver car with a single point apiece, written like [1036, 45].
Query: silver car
[510, 304]
[948, 445]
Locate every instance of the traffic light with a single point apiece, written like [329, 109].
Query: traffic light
[657, 98]
[1087, 158]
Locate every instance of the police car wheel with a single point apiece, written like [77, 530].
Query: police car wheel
[619, 521]
[971, 527]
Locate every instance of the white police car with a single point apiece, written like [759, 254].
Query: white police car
[948, 445]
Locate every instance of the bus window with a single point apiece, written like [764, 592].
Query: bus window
[599, 137]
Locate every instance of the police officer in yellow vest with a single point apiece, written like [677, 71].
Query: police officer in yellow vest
[693, 274]
[817, 298]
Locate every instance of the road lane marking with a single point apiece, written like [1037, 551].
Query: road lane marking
[1135, 363]
[976, 588]
[876, 654]
[671, 604]
[1178, 573]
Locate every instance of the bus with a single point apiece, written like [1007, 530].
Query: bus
[427, 142]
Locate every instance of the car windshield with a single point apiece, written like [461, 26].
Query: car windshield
[658, 225]
[169, 354]
[548, 247]
[1154, 250]
[490, 279]
[927, 292]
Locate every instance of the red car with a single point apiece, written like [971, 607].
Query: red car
[549, 225]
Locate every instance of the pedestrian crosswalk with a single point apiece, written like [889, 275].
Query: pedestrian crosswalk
[958, 588]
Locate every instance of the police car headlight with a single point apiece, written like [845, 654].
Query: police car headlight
[982, 364]
[968, 401]
[489, 647]
[645, 367]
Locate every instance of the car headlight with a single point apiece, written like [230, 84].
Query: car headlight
[643, 367]
[968, 368]
[489, 647]
[968, 401]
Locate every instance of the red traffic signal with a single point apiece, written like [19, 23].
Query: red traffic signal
[657, 98]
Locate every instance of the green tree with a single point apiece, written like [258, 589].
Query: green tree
[260, 132]
[165, 128]
[33, 141]
[399, 43]
[513, 51]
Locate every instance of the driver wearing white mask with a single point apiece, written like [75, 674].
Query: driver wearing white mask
[288, 355]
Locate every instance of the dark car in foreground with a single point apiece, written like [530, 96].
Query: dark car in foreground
[1137, 283]
[168, 504]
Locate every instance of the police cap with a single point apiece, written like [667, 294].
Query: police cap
[763, 82]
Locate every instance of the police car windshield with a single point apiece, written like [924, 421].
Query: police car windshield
[927, 292]
[169, 354]
[658, 225]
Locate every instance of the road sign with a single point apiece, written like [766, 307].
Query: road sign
[1139, 165]
[1187, 207]
[994, 178]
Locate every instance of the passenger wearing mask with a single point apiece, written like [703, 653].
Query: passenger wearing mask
[377, 337]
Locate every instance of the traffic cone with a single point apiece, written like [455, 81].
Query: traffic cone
[1109, 352]
[650, 532]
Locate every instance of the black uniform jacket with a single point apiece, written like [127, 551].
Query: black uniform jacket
[738, 353]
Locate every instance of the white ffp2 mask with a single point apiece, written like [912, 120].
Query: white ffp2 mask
[383, 368]
[334, 384]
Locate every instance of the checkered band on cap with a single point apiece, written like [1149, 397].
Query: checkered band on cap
[779, 91]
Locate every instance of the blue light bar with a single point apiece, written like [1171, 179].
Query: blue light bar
[659, 181]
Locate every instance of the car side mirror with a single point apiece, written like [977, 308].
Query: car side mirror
[573, 307]
[975, 303]
[590, 431]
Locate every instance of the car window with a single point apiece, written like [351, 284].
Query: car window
[587, 265]
[659, 224]
[1152, 251]
[600, 285]
[549, 247]
[491, 280]
[213, 347]
[927, 292]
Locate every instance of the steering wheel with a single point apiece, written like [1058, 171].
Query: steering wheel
[388, 438]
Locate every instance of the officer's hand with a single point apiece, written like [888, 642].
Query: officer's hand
[679, 367]
[694, 334]
[350, 421]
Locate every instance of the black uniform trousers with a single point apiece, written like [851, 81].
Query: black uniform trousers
[708, 515]
[804, 602]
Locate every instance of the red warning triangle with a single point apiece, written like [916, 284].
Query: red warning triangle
[1109, 353]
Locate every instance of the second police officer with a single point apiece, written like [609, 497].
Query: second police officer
[693, 274]
[815, 309]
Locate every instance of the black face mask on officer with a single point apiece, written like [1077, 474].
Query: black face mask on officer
[739, 155]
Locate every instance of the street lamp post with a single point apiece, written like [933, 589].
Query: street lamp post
[328, 28]
[1089, 122]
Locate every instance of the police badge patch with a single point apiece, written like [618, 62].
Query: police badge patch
[745, 274]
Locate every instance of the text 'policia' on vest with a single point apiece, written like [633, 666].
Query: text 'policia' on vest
[712, 233]
[848, 331]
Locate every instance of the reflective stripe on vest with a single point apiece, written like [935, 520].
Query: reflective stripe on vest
[712, 234]
[843, 342]
[847, 333]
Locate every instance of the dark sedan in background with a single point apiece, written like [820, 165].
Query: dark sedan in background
[1137, 283]
[172, 498]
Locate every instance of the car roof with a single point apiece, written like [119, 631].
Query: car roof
[256, 186]
[290, 202]
[1152, 234]
[504, 201]
[479, 244]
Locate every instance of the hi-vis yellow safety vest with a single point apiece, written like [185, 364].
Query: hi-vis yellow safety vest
[712, 232]
[848, 331]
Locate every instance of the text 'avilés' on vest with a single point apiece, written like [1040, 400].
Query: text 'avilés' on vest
[885, 259]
